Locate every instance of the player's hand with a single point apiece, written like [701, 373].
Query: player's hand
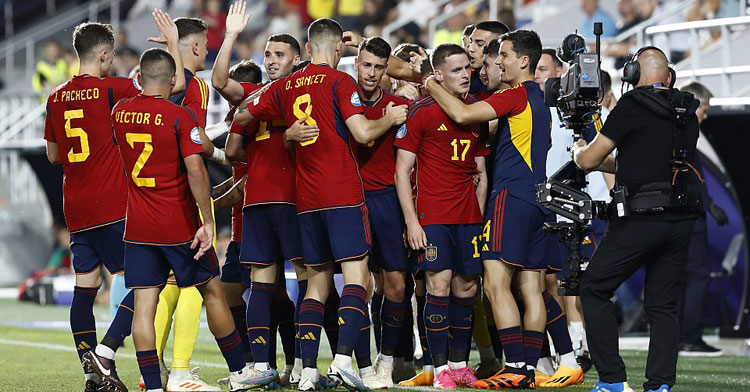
[577, 146]
[299, 132]
[408, 91]
[720, 216]
[236, 18]
[352, 39]
[416, 59]
[205, 238]
[415, 236]
[397, 114]
[167, 28]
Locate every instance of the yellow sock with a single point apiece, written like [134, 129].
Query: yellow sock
[481, 333]
[163, 321]
[187, 319]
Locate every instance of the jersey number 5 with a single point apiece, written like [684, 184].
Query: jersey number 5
[305, 114]
[70, 132]
[146, 139]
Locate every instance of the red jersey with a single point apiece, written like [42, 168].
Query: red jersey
[271, 171]
[377, 159]
[238, 170]
[195, 97]
[445, 164]
[327, 173]
[78, 120]
[155, 136]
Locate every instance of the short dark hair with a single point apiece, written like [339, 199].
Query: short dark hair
[89, 36]
[699, 91]
[157, 66]
[553, 53]
[287, 39]
[189, 26]
[403, 51]
[525, 43]
[606, 81]
[443, 51]
[491, 49]
[468, 30]
[246, 71]
[493, 27]
[376, 46]
[324, 28]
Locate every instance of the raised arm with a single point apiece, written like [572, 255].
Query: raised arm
[169, 36]
[416, 236]
[458, 111]
[199, 186]
[397, 68]
[365, 131]
[230, 89]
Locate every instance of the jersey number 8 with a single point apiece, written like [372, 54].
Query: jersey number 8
[305, 114]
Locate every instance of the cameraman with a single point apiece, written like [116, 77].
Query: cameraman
[644, 137]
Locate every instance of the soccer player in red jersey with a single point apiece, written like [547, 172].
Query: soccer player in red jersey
[160, 147]
[513, 240]
[79, 136]
[444, 220]
[483, 33]
[330, 201]
[377, 161]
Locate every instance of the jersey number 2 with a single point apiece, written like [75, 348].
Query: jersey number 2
[305, 114]
[146, 139]
[70, 132]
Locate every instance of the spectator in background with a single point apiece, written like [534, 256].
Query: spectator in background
[71, 59]
[705, 10]
[595, 14]
[122, 42]
[451, 31]
[124, 61]
[348, 13]
[51, 70]
[632, 13]
[215, 19]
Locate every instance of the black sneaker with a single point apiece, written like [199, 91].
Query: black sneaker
[699, 350]
[584, 360]
[105, 368]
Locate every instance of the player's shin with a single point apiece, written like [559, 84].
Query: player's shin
[258, 320]
[82, 322]
[119, 329]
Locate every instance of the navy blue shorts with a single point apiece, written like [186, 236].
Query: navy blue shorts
[387, 225]
[149, 265]
[232, 271]
[336, 234]
[453, 247]
[591, 241]
[514, 232]
[102, 245]
[270, 234]
[555, 256]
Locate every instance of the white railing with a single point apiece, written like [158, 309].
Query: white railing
[726, 26]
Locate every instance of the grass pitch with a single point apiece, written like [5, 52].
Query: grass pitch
[37, 354]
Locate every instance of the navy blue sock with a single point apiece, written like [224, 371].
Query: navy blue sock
[286, 315]
[82, 322]
[331, 320]
[376, 310]
[421, 303]
[310, 324]
[121, 325]
[352, 312]
[557, 325]
[362, 347]
[460, 311]
[148, 363]
[436, 324]
[532, 346]
[512, 342]
[259, 319]
[405, 345]
[392, 321]
[302, 290]
[240, 324]
[497, 346]
[231, 349]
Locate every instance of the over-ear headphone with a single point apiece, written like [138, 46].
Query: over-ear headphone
[631, 72]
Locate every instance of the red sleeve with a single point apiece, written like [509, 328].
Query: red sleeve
[345, 90]
[49, 134]
[238, 129]
[409, 136]
[248, 88]
[508, 102]
[188, 135]
[196, 99]
[127, 88]
[267, 106]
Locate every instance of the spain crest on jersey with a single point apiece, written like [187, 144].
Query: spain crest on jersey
[430, 253]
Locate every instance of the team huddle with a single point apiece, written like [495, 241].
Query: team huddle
[416, 179]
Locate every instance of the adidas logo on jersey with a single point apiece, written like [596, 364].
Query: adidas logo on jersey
[341, 321]
[259, 340]
[308, 336]
[84, 346]
[442, 127]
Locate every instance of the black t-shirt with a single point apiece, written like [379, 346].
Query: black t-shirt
[644, 144]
